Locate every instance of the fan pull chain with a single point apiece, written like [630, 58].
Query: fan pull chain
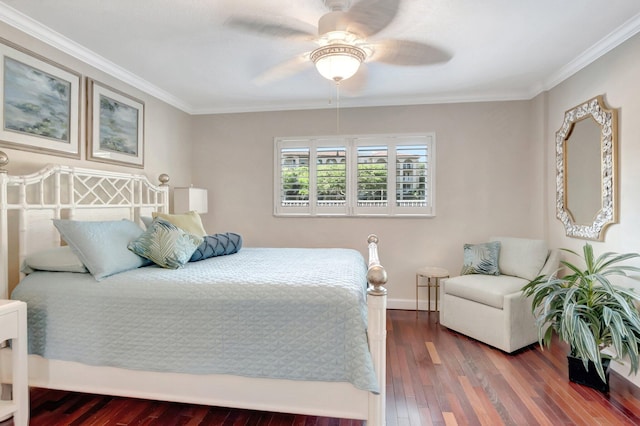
[337, 107]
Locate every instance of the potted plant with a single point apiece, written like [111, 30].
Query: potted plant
[589, 313]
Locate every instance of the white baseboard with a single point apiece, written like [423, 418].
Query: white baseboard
[623, 370]
[409, 304]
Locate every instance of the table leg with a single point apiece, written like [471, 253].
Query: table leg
[428, 294]
[417, 282]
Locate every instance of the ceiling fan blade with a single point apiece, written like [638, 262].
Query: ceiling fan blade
[283, 70]
[357, 83]
[406, 52]
[258, 26]
[369, 17]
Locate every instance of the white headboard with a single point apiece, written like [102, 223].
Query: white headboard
[29, 202]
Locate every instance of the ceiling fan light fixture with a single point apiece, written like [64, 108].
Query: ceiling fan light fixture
[338, 62]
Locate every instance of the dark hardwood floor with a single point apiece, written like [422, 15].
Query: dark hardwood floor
[434, 376]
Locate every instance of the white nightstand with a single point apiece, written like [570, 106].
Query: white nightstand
[433, 276]
[13, 325]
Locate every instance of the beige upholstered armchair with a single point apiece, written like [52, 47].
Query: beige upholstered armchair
[490, 308]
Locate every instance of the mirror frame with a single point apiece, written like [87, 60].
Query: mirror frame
[606, 118]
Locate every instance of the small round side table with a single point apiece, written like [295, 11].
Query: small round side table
[432, 275]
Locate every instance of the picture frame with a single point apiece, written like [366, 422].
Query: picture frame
[39, 103]
[115, 126]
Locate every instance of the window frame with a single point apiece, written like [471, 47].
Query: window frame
[350, 143]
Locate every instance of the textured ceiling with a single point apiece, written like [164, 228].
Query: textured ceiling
[184, 53]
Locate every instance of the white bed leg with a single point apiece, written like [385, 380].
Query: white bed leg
[377, 332]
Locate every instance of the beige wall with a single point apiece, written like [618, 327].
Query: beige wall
[615, 76]
[488, 182]
[167, 129]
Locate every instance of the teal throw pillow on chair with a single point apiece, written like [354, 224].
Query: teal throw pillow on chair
[481, 258]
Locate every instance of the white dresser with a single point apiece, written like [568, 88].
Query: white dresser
[13, 326]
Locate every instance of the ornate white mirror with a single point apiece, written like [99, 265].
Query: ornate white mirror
[585, 170]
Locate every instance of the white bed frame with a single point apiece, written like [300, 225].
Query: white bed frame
[27, 205]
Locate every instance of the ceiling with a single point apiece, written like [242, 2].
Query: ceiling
[185, 53]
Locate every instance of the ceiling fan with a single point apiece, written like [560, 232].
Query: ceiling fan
[346, 38]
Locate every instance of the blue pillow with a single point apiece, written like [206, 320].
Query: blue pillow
[165, 244]
[481, 258]
[146, 221]
[217, 245]
[102, 245]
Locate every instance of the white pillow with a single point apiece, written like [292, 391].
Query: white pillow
[57, 259]
[521, 257]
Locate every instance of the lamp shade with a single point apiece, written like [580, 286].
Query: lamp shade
[337, 62]
[190, 199]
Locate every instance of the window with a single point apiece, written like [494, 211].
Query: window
[294, 177]
[368, 175]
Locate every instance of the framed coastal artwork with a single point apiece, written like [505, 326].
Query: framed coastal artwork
[115, 126]
[40, 103]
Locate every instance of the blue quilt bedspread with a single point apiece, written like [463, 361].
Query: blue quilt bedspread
[281, 313]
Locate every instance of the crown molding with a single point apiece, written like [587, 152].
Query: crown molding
[45, 34]
[369, 103]
[614, 39]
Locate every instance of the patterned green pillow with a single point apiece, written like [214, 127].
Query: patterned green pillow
[165, 244]
[481, 258]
